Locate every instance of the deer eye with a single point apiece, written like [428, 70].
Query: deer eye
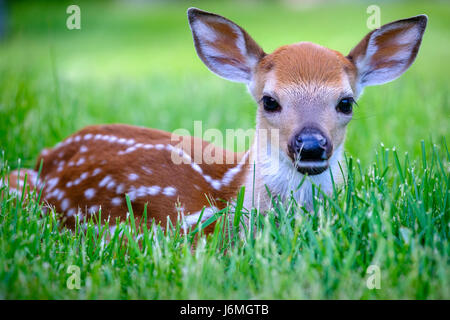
[270, 104]
[345, 105]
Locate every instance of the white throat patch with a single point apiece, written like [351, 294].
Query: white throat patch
[282, 178]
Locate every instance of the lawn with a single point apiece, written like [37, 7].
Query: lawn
[136, 64]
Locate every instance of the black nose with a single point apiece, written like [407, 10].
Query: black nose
[310, 145]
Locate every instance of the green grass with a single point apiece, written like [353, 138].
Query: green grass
[395, 216]
[137, 65]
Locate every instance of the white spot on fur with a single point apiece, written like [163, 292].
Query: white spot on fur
[84, 175]
[146, 170]
[133, 176]
[169, 191]
[116, 201]
[110, 185]
[89, 193]
[216, 184]
[230, 174]
[83, 149]
[112, 229]
[60, 166]
[60, 194]
[52, 183]
[120, 188]
[196, 167]
[153, 190]
[65, 204]
[170, 148]
[80, 161]
[141, 191]
[130, 149]
[104, 181]
[192, 219]
[93, 209]
[132, 193]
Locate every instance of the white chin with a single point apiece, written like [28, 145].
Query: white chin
[312, 167]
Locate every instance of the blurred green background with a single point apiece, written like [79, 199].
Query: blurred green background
[134, 62]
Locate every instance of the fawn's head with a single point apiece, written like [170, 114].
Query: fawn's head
[304, 90]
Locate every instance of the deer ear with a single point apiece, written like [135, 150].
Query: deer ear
[224, 47]
[386, 53]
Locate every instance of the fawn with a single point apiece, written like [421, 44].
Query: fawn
[305, 93]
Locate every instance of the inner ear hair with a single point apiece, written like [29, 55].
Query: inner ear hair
[223, 46]
[386, 53]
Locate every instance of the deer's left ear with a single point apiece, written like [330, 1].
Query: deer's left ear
[385, 53]
[224, 47]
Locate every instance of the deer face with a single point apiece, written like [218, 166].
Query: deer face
[305, 91]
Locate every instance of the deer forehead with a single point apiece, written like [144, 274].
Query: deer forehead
[305, 68]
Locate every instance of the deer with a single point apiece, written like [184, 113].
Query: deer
[304, 94]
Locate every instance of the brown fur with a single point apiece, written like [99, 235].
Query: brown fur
[193, 192]
[305, 63]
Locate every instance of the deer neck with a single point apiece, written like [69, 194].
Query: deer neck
[270, 169]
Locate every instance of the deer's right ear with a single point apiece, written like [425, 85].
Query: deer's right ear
[224, 47]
